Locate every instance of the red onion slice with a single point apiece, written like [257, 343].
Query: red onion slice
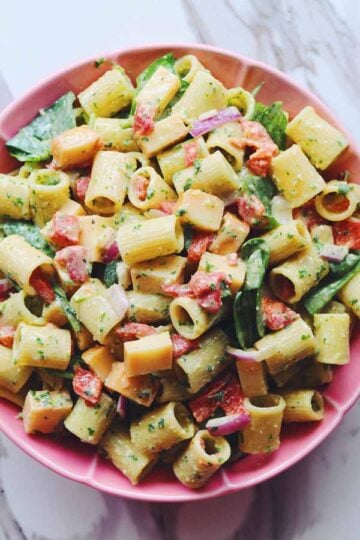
[121, 407]
[5, 285]
[252, 355]
[204, 125]
[227, 424]
[333, 253]
[118, 300]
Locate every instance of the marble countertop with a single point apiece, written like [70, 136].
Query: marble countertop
[317, 43]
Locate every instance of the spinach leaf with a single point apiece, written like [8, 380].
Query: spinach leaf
[67, 308]
[110, 275]
[183, 87]
[30, 232]
[32, 143]
[263, 189]
[167, 61]
[322, 294]
[274, 119]
[248, 319]
[340, 268]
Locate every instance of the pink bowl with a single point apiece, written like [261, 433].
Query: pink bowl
[80, 462]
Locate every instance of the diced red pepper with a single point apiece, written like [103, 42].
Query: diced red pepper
[206, 282]
[87, 385]
[250, 209]
[73, 259]
[224, 393]
[144, 119]
[81, 187]
[191, 151]
[131, 331]
[167, 207]
[199, 244]
[347, 233]
[257, 138]
[141, 185]
[337, 203]
[307, 214]
[276, 314]
[40, 282]
[175, 290]
[7, 334]
[210, 302]
[182, 345]
[64, 230]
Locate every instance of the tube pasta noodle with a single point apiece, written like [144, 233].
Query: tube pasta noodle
[94, 307]
[205, 93]
[110, 174]
[156, 192]
[131, 261]
[252, 378]
[114, 136]
[213, 174]
[14, 311]
[286, 240]
[111, 93]
[332, 335]
[148, 308]
[262, 435]
[166, 133]
[201, 459]
[116, 446]
[295, 177]
[174, 160]
[14, 197]
[296, 276]
[303, 406]
[42, 346]
[90, 423]
[285, 347]
[320, 141]
[338, 201]
[188, 318]
[220, 139]
[162, 236]
[14, 249]
[187, 66]
[350, 295]
[162, 428]
[201, 366]
[12, 377]
[49, 191]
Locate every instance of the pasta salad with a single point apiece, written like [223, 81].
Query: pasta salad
[178, 279]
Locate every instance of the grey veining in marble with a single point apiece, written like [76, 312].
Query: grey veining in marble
[316, 42]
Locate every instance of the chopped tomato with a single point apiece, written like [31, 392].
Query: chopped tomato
[64, 230]
[87, 385]
[167, 207]
[347, 233]
[181, 345]
[191, 151]
[210, 302]
[40, 282]
[81, 187]
[250, 209]
[257, 138]
[276, 314]
[141, 185]
[144, 119]
[224, 393]
[73, 259]
[307, 214]
[7, 333]
[131, 331]
[175, 290]
[199, 244]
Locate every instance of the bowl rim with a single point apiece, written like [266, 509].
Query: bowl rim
[226, 488]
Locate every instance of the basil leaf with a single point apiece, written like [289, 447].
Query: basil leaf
[32, 143]
[322, 294]
[274, 119]
[30, 232]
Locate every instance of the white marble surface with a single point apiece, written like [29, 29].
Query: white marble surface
[317, 43]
